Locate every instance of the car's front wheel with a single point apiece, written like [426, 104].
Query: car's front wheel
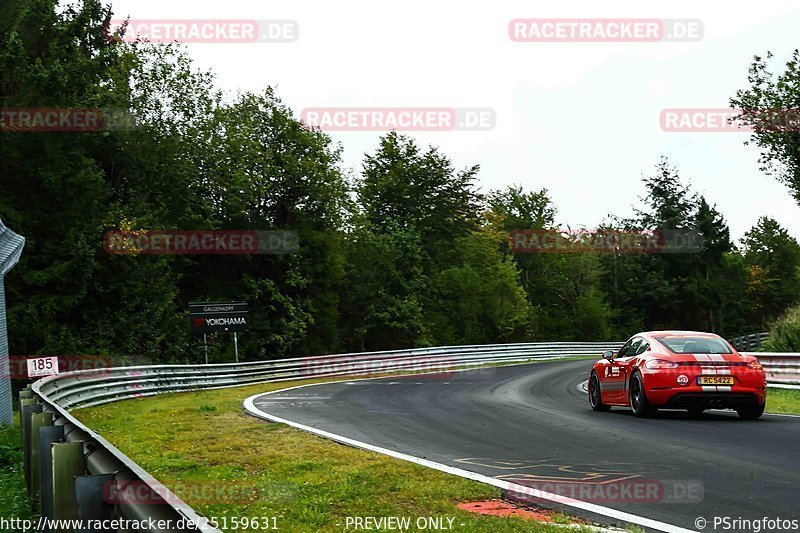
[595, 399]
[638, 399]
[751, 412]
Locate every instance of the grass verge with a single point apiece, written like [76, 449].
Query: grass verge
[14, 502]
[783, 401]
[308, 483]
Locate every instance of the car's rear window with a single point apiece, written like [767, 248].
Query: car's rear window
[695, 344]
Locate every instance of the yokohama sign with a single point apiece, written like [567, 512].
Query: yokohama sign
[218, 317]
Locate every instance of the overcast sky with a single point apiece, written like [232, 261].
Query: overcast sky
[580, 119]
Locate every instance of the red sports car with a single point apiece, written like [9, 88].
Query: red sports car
[678, 370]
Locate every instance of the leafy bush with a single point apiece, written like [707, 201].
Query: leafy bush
[784, 335]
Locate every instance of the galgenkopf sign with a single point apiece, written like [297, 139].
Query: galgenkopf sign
[218, 317]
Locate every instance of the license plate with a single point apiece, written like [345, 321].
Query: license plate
[715, 380]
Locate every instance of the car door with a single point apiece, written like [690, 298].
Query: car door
[617, 371]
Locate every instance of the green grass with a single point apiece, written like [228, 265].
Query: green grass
[783, 401]
[14, 502]
[309, 483]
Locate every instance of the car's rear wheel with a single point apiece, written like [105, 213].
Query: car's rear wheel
[595, 399]
[638, 399]
[751, 412]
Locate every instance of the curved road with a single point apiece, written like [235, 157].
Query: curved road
[532, 425]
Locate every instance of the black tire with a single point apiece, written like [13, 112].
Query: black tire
[695, 412]
[638, 399]
[595, 399]
[751, 412]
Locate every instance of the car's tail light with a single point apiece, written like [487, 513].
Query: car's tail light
[754, 365]
[658, 364]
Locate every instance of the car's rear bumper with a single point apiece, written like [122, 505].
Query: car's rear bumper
[712, 400]
[663, 389]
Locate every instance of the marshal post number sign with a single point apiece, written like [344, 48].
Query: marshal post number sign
[218, 317]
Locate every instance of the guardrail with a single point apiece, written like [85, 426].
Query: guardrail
[71, 469]
[748, 342]
[60, 449]
[782, 369]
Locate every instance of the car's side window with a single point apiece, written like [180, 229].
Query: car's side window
[630, 348]
[624, 349]
[642, 348]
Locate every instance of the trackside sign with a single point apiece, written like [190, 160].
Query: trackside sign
[42, 366]
[218, 317]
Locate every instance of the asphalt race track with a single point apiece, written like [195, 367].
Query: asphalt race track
[532, 425]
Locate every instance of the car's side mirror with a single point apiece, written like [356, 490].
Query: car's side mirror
[608, 354]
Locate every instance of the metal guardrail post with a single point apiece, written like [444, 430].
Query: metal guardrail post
[91, 493]
[68, 464]
[29, 408]
[47, 437]
[21, 406]
[38, 421]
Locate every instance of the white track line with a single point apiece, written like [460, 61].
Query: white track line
[249, 405]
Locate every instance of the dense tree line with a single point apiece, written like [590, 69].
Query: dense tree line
[406, 252]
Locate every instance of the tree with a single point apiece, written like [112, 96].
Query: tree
[479, 298]
[406, 188]
[708, 305]
[784, 333]
[564, 289]
[770, 106]
[56, 189]
[773, 258]
[382, 289]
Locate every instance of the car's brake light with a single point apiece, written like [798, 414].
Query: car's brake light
[754, 365]
[657, 364]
